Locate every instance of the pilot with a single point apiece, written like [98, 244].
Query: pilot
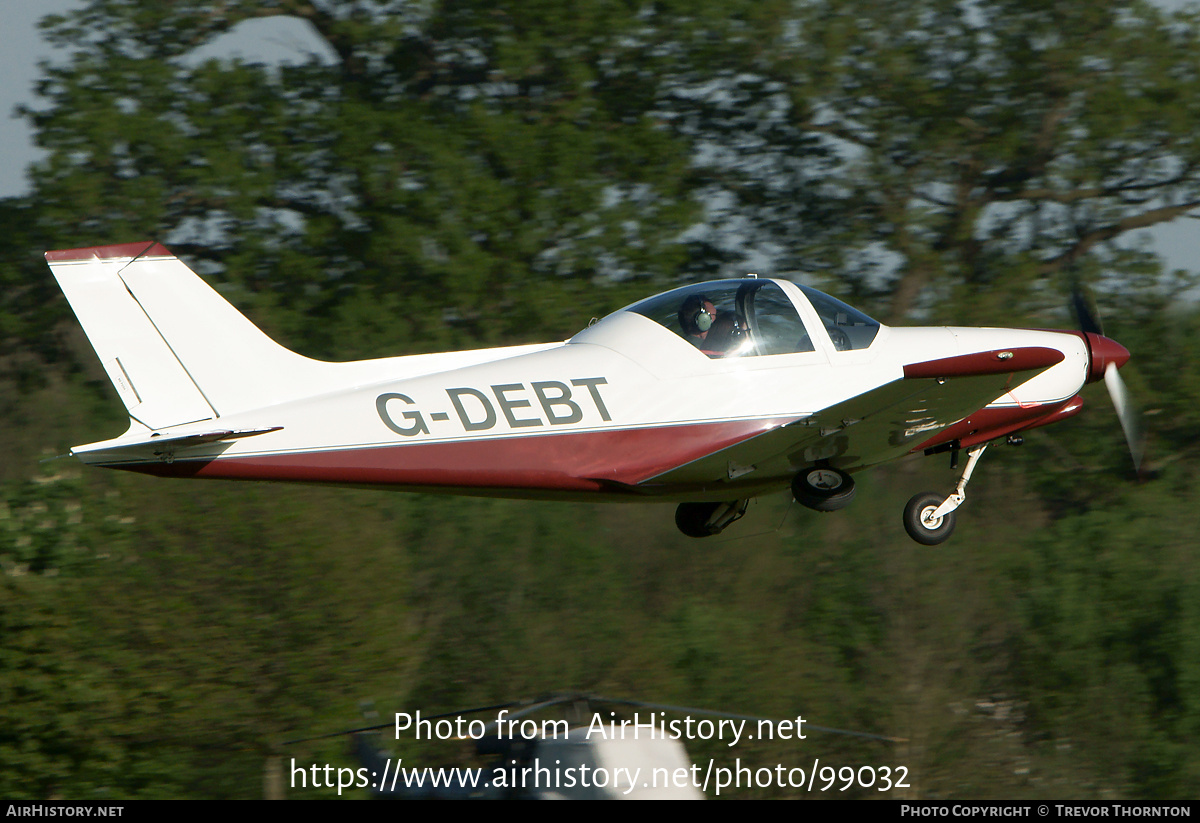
[713, 333]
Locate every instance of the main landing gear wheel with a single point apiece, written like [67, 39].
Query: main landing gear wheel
[922, 522]
[823, 489]
[707, 519]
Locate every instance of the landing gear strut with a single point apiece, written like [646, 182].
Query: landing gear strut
[706, 519]
[928, 518]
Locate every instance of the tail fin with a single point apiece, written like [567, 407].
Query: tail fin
[176, 351]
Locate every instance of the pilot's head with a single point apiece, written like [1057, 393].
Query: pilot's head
[696, 315]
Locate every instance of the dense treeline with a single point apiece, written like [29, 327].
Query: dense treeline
[468, 173]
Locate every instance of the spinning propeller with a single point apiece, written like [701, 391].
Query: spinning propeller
[1107, 357]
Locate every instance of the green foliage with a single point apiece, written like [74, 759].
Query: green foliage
[53, 523]
[1106, 643]
[53, 731]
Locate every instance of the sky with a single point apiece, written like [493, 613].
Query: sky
[22, 48]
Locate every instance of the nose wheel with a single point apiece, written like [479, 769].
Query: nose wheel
[929, 517]
[923, 523]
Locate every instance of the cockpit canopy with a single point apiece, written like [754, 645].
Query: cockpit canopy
[739, 318]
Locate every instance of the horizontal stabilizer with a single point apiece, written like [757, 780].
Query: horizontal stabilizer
[208, 437]
[157, 445]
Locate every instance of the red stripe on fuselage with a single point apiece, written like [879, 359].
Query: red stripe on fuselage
[571, 461]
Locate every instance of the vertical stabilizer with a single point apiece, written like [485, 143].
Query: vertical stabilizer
[176, 351]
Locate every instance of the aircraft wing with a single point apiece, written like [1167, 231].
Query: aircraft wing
[878, 425]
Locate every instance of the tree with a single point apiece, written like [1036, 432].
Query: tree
[972, 150]
[457, 175]
[471, 172]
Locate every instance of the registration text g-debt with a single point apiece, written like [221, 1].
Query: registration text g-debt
[515, 402]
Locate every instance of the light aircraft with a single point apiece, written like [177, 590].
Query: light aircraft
[706, 395]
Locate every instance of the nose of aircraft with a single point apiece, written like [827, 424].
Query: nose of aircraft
[1104, 350]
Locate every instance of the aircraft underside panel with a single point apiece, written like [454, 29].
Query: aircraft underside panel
[609, 460]
[878, 425]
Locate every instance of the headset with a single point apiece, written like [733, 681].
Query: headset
[694, 316]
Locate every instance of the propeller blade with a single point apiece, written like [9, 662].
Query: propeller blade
[1085, 314]
[1126, 413]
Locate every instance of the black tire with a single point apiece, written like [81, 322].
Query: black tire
[823, 489]
[917, 529]
[692, 518]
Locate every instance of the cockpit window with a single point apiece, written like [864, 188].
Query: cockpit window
[731, 318]
[848, 328]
